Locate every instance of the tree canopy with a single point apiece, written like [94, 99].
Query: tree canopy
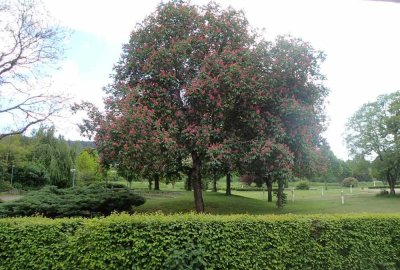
[197, 82]
[373, 131]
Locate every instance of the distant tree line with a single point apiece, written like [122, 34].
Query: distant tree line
[43, 159]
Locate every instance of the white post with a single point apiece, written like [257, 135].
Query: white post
[351, 188]
[374, 183]
[322, 191]
[12, 175]
[73, 177]
[292, 194]
[342, 197]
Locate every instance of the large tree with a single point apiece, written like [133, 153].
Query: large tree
[194, 82]
[190, 69]
[30, 47]
[292, 111]
[373, 131]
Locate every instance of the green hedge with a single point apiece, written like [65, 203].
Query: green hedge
[202, 242]
[383, 187]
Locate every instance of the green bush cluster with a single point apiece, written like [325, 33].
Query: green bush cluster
[202, 242]
[303, 185]
[247, 188]
[350, 181]
[83, 201]
[5, 186]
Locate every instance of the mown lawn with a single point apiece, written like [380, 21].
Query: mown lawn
[254, 202]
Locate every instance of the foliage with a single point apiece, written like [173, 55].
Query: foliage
[195, 82]
[303, 185]
[383, 192]
[373, 131]
[382, 187]
[208, 242]
[31, 45]
[360, 168]
[86, 201]
[5, 186]
[247, 188]
[39, 160]
[87, 166]
[31, 174]
[14, 151]
[334, 168]
[55, 155]
[350, 181]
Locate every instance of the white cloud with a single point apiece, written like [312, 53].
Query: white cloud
[70, 81]
[110, 20]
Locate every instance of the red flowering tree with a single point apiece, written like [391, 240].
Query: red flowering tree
[184, 84]
[299, 94]
[292, 111]
[193, 82]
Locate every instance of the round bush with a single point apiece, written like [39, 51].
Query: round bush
[350, 181]
[303, 185]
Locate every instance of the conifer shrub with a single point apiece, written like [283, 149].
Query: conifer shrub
[86, 201]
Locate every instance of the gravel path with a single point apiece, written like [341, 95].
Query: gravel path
[9, 197]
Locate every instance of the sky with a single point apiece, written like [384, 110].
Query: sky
[360, 39]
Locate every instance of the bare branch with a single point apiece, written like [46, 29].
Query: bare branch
[31, 46]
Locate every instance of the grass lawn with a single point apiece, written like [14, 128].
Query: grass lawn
[175, 200]
[254, 202]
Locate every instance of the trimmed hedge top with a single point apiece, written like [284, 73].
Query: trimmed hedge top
[191, 241]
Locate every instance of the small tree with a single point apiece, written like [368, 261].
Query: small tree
[55, 155]
[350, 182]
[87, 166]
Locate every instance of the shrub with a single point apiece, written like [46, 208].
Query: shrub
[303, 185]
[383, 187]
[350, 181]
[31, 175]
[112, 185]
[384, 192]
[202, 242]
[5, 186]
[246, 179]
[247, 188]
[86, 201]
[249, 179]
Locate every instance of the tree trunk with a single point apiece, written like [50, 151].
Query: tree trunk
[196, 183]
[280, 199]
[188, 181]
[392, 182]
[228, 184]
[214, 183]
[150, 184]
[156, 182]
[269, 187]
